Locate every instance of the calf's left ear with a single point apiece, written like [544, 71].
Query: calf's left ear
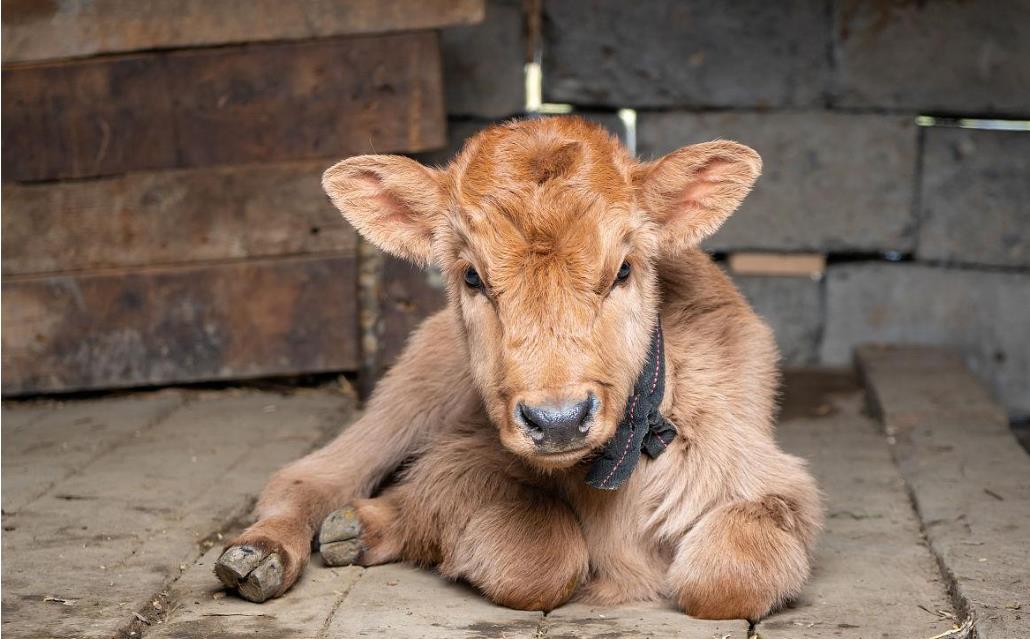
[393, 201]
[691, 192]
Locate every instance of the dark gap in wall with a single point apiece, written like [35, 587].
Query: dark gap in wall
[828, 93]
[965, 120]
[898, 257]
[1021, 429]
[967, 266]
[987, 122]
[820, 336]
[814, 108]
[891, 257]
[849, 257]
[843, 257]
[917, 189]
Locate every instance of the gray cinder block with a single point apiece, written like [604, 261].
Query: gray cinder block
[955, 57]
[985, 314]
[661, 53]
[975, 202]
[793, 308]
[483, 63]
[830, 182]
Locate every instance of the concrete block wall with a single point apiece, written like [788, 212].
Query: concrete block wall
[832, 182]
[925, 229]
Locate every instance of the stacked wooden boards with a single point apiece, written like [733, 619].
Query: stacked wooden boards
[163, 220]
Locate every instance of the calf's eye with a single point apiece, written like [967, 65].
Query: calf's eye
[472, 279]
[623, 273]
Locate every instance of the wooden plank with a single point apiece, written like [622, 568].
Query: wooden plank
[323, 99]
[778, 264]
[36, 30]
[86, 119]
[170, 217]
[176, 324]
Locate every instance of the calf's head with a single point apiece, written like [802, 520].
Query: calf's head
[548, 234]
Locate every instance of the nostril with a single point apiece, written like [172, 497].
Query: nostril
[586, 411]
[533, 427]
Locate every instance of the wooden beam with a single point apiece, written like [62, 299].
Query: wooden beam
[171, 217]
[179, 324]
[35, 30]
[325, 99]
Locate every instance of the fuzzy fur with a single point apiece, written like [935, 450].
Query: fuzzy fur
[546, 210]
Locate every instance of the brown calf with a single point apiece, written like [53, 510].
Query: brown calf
[561, 254]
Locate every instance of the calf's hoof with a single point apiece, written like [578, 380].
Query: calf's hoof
[339, 539]
[255, 574]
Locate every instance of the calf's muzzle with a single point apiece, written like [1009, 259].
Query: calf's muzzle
[557, 426]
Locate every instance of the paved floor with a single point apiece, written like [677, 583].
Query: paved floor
[113, 512]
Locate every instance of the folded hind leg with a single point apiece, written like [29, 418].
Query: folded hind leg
[467, 507]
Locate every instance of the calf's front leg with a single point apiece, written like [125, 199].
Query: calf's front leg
[412, 403]
[466, 508]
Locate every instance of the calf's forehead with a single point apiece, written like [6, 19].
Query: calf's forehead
[574, 152]
[534, 191]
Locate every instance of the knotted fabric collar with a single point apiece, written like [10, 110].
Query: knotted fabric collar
[642, 429]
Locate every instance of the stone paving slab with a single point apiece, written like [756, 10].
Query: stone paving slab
[873, 576]
[45, 442]
[969, 478]
[402, 602]
[655, 621]
[130, 522]
[202, 609]
[129, 512]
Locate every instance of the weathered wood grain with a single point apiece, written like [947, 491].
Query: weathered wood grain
[407, 295]
[36, 30]
[170, 217]
[233, 105]
[176, 324]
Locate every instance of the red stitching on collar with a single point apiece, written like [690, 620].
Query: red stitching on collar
[632, 409]
[657, 359]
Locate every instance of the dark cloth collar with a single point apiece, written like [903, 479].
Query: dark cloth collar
[642, 429]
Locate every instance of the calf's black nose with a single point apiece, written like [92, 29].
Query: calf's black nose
[557, 426]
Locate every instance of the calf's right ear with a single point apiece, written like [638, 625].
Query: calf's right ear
[393, 201]
[691, 192]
